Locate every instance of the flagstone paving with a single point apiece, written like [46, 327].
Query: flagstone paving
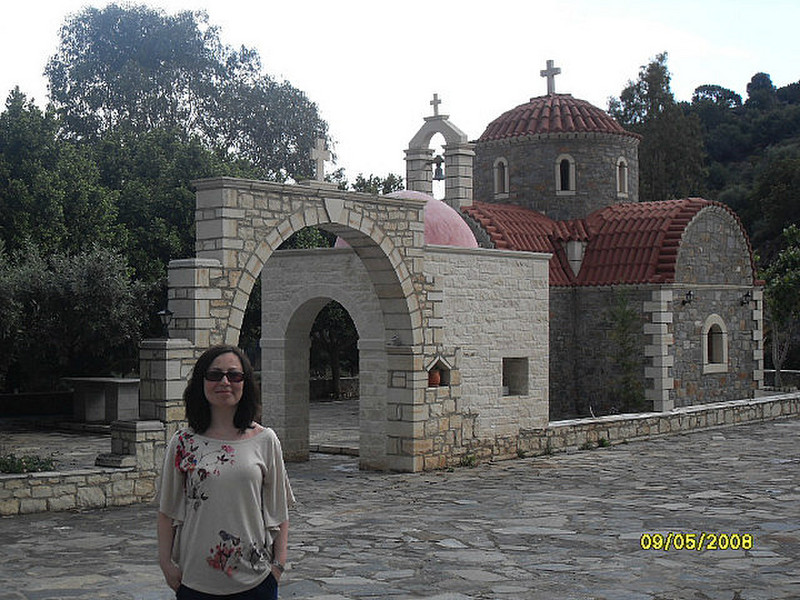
[565, 526]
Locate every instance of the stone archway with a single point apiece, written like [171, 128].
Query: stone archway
[241, 223]
[296, 286]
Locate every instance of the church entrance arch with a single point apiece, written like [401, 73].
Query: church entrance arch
[297, 284]
[239, 226]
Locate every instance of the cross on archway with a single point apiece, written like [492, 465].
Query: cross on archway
[435, 104]
[550, 72]
[320, 154]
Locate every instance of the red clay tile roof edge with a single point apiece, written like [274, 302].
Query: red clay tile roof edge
[628, 243]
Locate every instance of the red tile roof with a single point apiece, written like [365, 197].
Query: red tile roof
[636, 242]
[632, 242]
[555, 113]
[516, 228]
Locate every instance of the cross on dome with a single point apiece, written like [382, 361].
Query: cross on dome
[435, 103]
[320, 154]
[550, 72]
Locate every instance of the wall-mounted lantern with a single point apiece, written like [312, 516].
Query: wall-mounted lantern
[165, 316]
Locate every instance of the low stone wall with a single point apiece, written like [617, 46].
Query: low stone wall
[128, 475]
[75, 490]
[576, 434]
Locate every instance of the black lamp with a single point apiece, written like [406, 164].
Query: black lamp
[165, 316]
[687, 299]
[748, 296]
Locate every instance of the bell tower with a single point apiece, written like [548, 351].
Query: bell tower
[459, 155]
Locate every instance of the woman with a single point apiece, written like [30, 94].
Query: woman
[223, 519]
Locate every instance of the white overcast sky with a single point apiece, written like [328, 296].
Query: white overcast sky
[373, 66]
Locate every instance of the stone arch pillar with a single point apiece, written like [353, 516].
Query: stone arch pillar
[459, 156]
[418, 170]
[458, 162]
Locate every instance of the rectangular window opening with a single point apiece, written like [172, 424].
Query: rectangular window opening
[515, 376]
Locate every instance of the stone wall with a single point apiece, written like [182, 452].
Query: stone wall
[583, 376]
[532, 172]
[582, 434]
[494, 325]
[75, 490]
[714, 264]
[128, 475]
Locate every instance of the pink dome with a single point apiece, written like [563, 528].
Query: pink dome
[443, 225]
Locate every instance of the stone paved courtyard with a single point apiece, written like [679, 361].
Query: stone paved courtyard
[564, 526]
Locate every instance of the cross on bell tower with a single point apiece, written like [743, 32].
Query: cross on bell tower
[550, 72]
[435, 104]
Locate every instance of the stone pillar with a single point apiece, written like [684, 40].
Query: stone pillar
[190, 297]
[657, 352]
[458, 164]
[406, 410]
[419, 177]
[137, 444]
[372, 403]
[758, 336]
[164, 369]
[284, 393]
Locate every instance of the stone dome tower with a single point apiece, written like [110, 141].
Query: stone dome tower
[557, 155]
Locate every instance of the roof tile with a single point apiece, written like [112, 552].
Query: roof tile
[554, 113]
[632, 242]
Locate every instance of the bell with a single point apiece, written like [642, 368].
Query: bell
[438, 173]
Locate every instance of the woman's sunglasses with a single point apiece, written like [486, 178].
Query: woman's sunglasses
[233, 376]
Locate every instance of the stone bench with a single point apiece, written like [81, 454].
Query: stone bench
[104, 399]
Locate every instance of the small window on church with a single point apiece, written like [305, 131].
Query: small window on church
[515, 376]
[565, 175]
[622, 178]
[501, 177]
[715, 345]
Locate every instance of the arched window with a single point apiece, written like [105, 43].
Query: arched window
[622, 177]
[715, 345]
[565, 175]
[501, 177]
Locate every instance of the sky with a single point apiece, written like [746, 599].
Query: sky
[372, 66]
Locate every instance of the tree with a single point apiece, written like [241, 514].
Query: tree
[647, 97]
[671, 154]
[378, 185]
[717, 96]
[761, 93]
[50, 189]
[151, 173]
[334, 341]
[77, 315]
[782, 299]
[136, 68]
[773, 201]
[10, 316]
[625, 324]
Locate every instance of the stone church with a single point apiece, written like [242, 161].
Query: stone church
[538, 290]
[657, 300]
